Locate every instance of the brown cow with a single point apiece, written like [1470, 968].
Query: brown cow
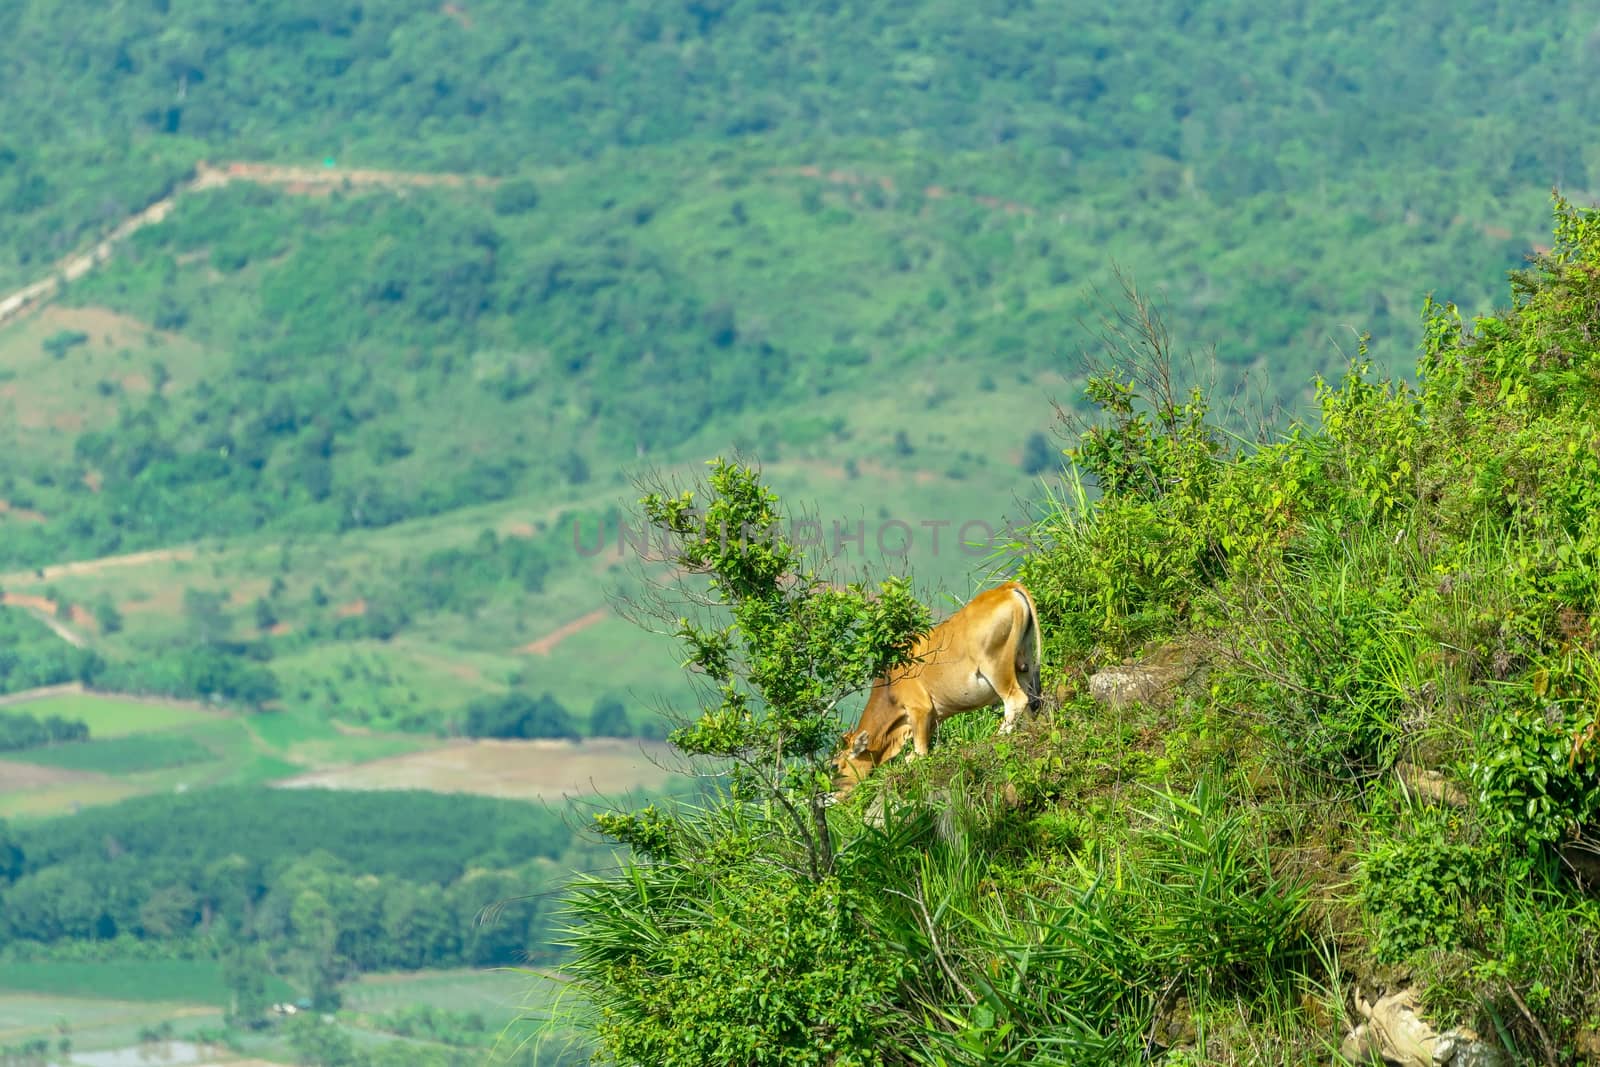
[978, 657]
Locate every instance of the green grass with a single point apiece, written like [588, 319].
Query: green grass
[111, 716]
[95, 1024]
[121, 755]
[281, 730]
[212, 750]
[500, 996]
[191, 981]
[515, 1004]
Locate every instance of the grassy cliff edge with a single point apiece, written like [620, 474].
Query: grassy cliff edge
[1378, 774]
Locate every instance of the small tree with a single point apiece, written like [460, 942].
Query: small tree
[746, 881]
[107, 615]
[1037, 455]
[609, 719]
[774, 647]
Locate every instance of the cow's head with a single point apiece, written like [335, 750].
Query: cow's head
[853, 763]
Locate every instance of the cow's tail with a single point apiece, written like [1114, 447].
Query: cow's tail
[1035, 682]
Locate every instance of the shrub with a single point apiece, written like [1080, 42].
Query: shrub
[1419, 890]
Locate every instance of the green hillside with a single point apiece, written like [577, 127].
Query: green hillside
[321, 466]
[1347, 799]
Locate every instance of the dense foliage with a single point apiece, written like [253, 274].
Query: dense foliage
[519, 715]
[31, 656]
[1406, 582]
[19, 730]
[637, 274]
[855, 238]
[315, 885]
[735, 223]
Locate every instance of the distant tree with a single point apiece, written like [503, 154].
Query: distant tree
[266, 617]
[519, 715]
[384, 617]
[318, 1044]
[61, 342]
[107, 615]
[609, 719]
[169, 315]
[722, 325]
[516, 197]
[574, 468]
[1037, 455]
[10, 856]
[902, 444]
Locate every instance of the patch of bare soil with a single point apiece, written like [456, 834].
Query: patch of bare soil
[95, 566]
[103, 325]
[23, 600]
[353, 610]
[527, 770]
[20, 514]
[546, 644]
[15, 777]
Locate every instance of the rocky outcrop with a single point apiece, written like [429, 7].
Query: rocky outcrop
[1429, 785]
[1394, 1034]
[1155, 680]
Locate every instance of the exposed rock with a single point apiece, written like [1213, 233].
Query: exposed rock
[1175, 1028]
[1474, 1053]
[1430, 785]
[1402, 1036]
[1359, 1047]
[1395, 1035]
[1154, 681]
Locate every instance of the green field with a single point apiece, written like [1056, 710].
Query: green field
[121, 755]
[502, 997]
[170, 981]
[140, 746]
[205, 749]
[113, 716]
[94, 1023]
[106, 1004]
[519, 1007]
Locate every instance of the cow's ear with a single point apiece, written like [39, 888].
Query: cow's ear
[858, 744]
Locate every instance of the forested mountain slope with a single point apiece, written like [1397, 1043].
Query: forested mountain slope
[1315, 776]
[856, 241]
[347, 456]
[1274, 188]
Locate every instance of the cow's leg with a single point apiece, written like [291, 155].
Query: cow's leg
[1016, 704]
[922, 719]
[1012, 693]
